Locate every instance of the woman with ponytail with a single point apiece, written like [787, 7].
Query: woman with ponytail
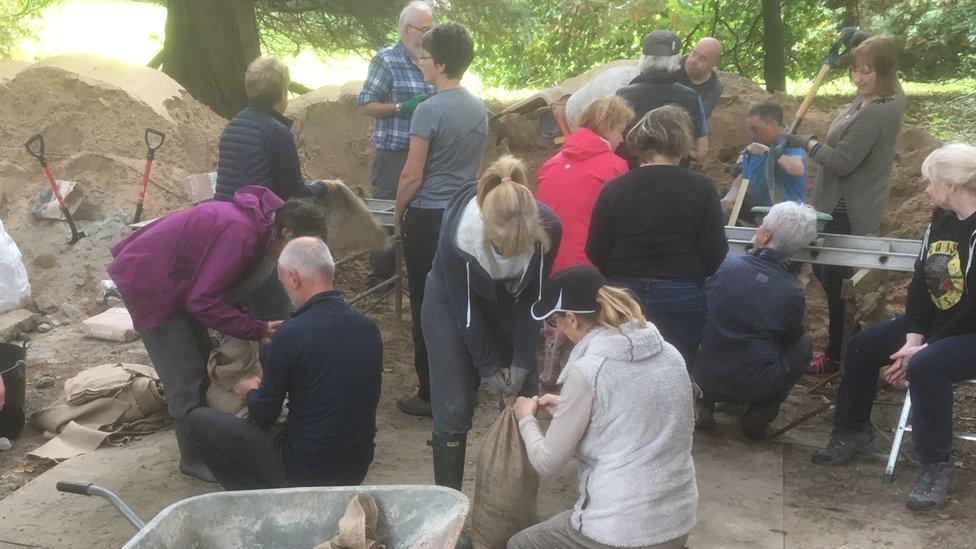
[625, 410]
[496, 247]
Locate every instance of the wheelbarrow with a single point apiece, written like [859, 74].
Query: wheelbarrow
[409, 516]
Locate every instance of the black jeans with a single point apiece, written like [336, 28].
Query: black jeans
[676, 307]
[832, 278]
[794, 361]
[384, 175]
[238, 452]
[931, 373]
[421, 229]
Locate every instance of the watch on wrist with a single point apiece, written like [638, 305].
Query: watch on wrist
[397, 107]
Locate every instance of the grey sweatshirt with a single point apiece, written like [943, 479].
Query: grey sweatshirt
[626, 409]
[855, 161]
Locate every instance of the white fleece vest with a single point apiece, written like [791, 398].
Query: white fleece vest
[637, 478]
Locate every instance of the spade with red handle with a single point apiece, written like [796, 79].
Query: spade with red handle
[35, 146]
[151, 148]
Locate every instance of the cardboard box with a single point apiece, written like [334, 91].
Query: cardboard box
[114, 324]
[201, 186]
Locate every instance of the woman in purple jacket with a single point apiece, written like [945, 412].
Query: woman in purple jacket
[174, 274]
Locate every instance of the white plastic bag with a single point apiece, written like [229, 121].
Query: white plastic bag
[14, 288]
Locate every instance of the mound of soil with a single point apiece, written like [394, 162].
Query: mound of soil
[93, 113]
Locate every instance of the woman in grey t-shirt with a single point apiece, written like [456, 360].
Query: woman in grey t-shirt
[447, 141]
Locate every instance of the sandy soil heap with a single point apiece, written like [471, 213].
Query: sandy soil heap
[93, 113]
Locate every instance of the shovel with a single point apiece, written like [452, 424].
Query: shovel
[35, 146]
[847, 40]
[151, 149]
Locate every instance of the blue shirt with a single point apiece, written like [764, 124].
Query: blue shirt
[392, 78]
[790, 187]
[328, 360]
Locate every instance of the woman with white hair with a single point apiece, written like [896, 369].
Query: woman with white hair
[931, 346]
[753, 349]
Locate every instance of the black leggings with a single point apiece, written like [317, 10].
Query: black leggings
[931, 373]
[831, 278]
[421, 229]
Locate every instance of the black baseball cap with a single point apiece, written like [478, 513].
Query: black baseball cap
[661, 43]
[571, 290]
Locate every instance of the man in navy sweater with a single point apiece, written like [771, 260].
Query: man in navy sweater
[327, 361]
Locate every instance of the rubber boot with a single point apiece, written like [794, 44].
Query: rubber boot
[191, 464]
[449, 459]
[449, 468]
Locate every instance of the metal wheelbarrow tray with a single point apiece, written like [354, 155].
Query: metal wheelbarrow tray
[409, 516]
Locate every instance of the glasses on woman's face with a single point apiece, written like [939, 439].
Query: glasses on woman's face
[551, 319]
[863, 71]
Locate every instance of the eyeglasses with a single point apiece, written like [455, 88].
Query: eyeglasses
[551, 319]
[863, 71]
[422, 30]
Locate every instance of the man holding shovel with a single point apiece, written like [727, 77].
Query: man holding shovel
[173, 276]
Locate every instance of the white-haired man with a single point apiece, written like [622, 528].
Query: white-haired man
[393, 89]
[753, 349]
[327, 359]
[657, 86]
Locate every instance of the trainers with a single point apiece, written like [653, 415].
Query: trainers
[754, 424]
[704, 416]
[844, 446]
[413, 405]
[823, 366]
[931, 487]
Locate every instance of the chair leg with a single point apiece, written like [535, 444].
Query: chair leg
[897, 439]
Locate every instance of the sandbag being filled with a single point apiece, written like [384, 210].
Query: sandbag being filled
[505, 487]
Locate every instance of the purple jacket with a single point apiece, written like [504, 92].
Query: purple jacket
[185, 262]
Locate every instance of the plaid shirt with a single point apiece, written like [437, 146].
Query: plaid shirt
[392, 78]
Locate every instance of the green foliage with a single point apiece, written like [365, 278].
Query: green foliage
[938, 36]
[16, 17]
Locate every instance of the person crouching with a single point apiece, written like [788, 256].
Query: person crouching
[625, 410]
[328, 360]
[753, 349]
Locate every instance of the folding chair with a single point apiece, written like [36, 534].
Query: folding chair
[904, 424]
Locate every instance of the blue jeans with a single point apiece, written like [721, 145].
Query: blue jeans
[677, 307]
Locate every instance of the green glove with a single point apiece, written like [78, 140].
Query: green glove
[410, 105]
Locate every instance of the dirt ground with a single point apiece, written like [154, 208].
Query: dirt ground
[825, 507]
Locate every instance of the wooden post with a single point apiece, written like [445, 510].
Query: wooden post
[739, 198]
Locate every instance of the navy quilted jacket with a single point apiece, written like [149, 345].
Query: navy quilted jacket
[257, 148]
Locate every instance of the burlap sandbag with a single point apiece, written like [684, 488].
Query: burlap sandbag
[350, 225]
[505, 487]
[229, 363]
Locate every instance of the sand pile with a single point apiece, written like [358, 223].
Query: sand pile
[93, 113]
[333, 139]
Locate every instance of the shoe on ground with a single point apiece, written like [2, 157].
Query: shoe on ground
[931, 487]
[823, 366]
[704, 416]
[198, 470]
[844, 446]
[413, 405]
[754, 424]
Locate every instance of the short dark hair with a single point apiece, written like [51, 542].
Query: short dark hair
[450, 45]
[766, 110]
[303, 218]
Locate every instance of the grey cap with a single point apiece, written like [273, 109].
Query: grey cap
[661, 43]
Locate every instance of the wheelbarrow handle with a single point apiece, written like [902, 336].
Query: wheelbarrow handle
[90, 489]
[73, 488]
[156, 133]
[35, 146]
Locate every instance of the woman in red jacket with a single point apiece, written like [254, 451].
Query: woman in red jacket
[569, 184]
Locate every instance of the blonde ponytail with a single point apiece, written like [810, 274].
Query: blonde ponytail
[617, 307]
[509, 210]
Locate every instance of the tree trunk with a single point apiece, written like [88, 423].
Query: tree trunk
[774, 47]
[207, 49]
